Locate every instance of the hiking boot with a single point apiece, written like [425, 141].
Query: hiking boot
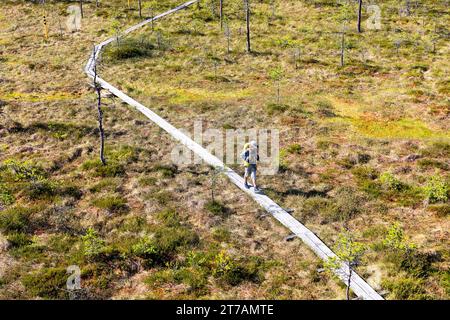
[247, 186]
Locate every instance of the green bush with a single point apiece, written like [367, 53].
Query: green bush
[111, 169]
[273, 108]
[113, 204]
[47, 283]
[294, 148]
[429, 163]
[221, 234]
[16, 219]
[93, 245]
[161, 247]
[162, 197]
[417, 264]
[405, 289]
[436, 190]
[195, 278]
[346, 205]
[437, 149]
[41, 189]
[396, 240]
[25, 170]
[71, 191]
[165, 170]
[6, 198]
[146, 249]
[18, 239]
[168, 239]
[441, 210]
[364, 173]
[130, 48]
[325, 109]
[231, 272]
[169, 217]
[215, 208]
[313, 207]
[390, 182]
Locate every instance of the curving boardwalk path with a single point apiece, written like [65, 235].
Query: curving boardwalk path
[358, 285]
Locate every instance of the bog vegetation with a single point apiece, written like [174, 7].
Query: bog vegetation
[365, 149]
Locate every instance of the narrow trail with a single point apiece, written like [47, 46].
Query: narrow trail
[361, 288]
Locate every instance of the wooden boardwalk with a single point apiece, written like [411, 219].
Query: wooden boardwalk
[361, 288]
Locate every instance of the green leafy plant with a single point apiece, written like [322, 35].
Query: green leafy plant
[395, 239]
[390, 182]
[348, 252]
[93, 245]
[436, 190]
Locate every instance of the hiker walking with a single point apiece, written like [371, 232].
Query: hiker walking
[251, 157]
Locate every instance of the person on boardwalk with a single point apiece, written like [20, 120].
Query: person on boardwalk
[251, 157]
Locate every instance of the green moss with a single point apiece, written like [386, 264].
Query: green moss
[405, 128]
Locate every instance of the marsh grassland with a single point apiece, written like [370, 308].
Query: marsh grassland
[364, 147]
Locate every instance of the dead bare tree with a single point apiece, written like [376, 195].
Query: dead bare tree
[247, 18]
[342, 46]
[360, 15]
[140, 8]
[98, 90]
[81, 8]
[221, 13]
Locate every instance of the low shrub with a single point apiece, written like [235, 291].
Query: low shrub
[47, 283]
[221, 234]
[113, 204]
[390, 182]
[72, 191]
[430, 163]
[437, 150]
[364, 173]
[274, 108]
[41, 189]
[436, 190]
[216, 208]
[232, 272]
[346, 205]
[162, 197]
[313, 207]
[18, 239]
[111, 169]
[325, 109]
[16, 219]
[440, 210]
[294, 148]
[196, 279]
[169, 217]
[168, 239]
[405, 288]
[25, 170]
[130, 48]
[93, 245]
[6, 198]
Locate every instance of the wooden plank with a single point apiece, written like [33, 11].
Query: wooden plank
[358, 285]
